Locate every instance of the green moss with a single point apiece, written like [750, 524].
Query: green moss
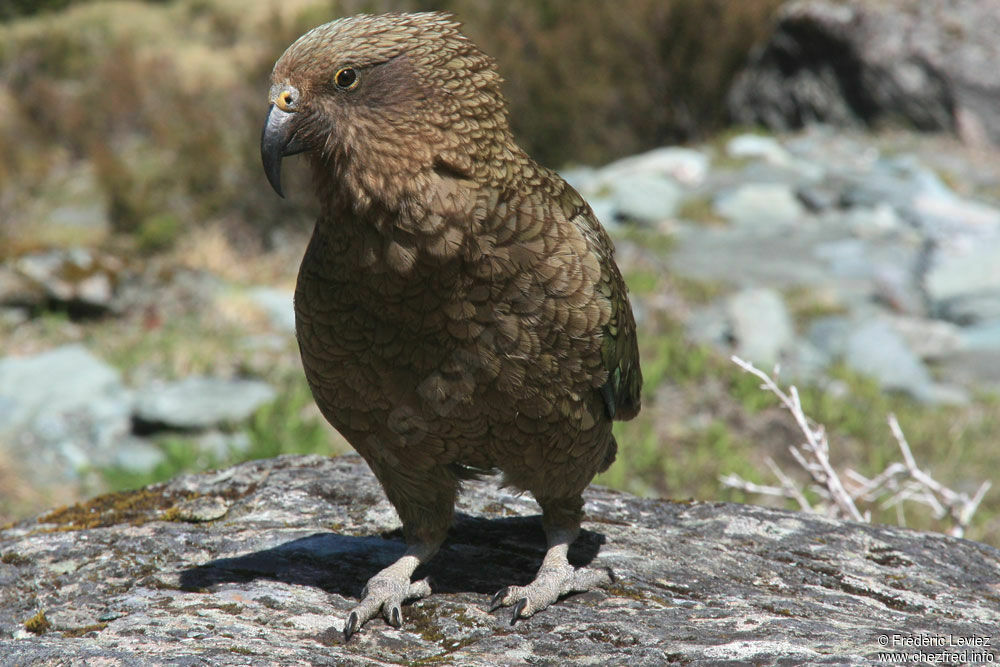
[38, 624]
[700, 209]
[127, 507]
[159, 232]
[14, 558]
[82, 630]
[420, 619]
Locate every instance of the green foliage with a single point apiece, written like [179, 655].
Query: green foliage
[158, 232]
[698, 407]
[282, 427]
[166, 98]
[181, 455]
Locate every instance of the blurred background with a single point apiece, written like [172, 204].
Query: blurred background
[811, 185]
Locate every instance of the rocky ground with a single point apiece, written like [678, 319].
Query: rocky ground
[813, 251]
[870, 250]
[261, 562]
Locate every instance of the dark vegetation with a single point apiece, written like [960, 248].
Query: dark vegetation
[164, 99]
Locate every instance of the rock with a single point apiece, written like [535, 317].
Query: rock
[923, 64]
[136, 454]
[580, 177]
[982, 336]
[642, 188]
[965, 274]
[58, 382]
[221, 446]
[829, 335]
[969, 309]
[277, 304]
[79, 279]
[874, 221]
[760, 205]
[760, 325]
[62, 413]
[804, 362]
[646, 198]
[686, 166]
[18, 290]
[606, 212]
[757, 146]
[876, 349]
[929, 339]
[261, 563]
[817, 197]
[200, 402]
[945, 215]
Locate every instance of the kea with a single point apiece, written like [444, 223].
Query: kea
[458, 308]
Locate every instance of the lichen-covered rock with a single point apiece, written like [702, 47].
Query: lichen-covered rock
[926, 65]
[259, 564]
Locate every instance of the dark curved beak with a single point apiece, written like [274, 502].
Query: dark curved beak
[277, 140]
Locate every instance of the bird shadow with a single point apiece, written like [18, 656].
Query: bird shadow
[480, 556]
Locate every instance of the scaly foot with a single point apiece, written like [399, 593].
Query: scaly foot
[549, 585]
[386, 591]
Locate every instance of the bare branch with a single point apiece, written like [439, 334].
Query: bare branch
[897, 484]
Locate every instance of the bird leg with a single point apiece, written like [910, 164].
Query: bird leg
[556, 577]
[425, 502]
[388, 589]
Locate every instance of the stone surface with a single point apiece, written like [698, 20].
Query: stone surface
[29, 390]
[761, 205]
[277, 304]
[200, 402]
[760, 325]
[967, 274]
[81, 280]
[260, 563]
[647, 198]
[62, 413]
[927, 65]
[876, 349]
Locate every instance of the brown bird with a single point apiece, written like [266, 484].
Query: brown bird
[458, 308]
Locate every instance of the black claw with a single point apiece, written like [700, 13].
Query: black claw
[518, 608]
[611, 575]
[351, 626]
[364, 592]
[395, 618]
[497, 600]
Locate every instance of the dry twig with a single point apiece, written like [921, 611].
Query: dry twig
[899, 481]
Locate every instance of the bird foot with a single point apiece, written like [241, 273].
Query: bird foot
[385, 592]
[549, 585]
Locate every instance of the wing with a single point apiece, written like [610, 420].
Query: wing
[619, 349]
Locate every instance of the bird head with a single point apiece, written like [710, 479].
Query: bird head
[382, 103]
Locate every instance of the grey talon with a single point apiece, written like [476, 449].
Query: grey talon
[350, 626]
[518, 608]
[497, 600]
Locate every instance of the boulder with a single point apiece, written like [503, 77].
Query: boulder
[200, 402]
[925, 65]
[62, 412]
[260, 563]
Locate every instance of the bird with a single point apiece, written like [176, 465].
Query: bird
[458, 308]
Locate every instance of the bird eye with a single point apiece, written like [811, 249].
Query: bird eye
[346, 78]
